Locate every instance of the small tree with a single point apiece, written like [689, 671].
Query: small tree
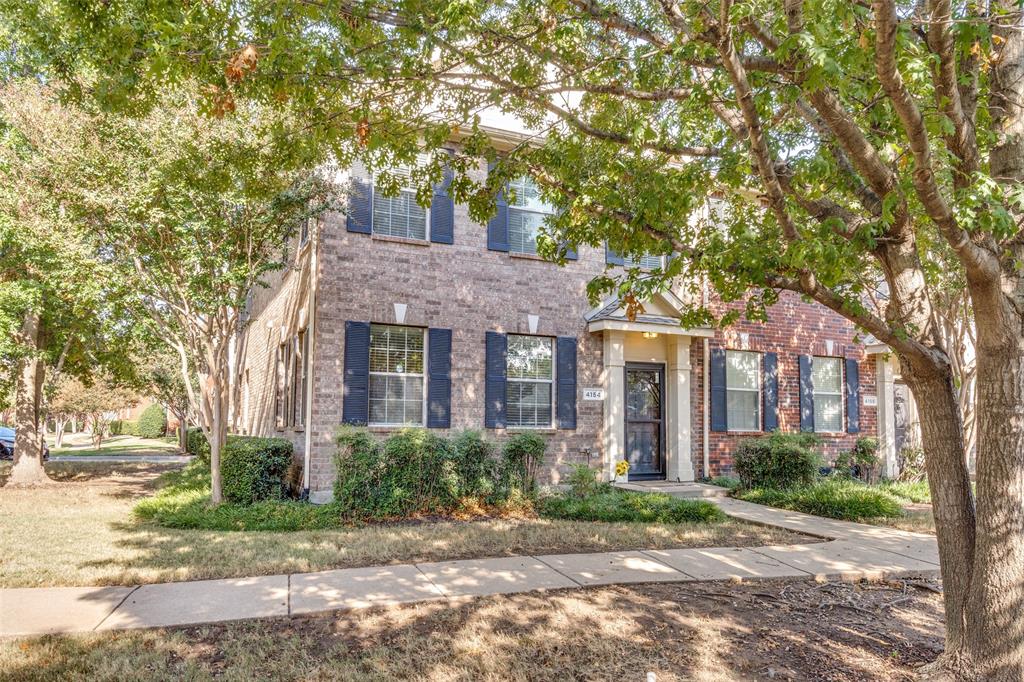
[153, 422]
[98, 402]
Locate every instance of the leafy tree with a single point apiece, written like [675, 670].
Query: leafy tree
[98, 402]
[165, 380]
[60, 305]
[194, 210]
[843, 144]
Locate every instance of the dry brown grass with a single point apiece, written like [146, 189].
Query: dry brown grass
[706, 632]
[82, 532]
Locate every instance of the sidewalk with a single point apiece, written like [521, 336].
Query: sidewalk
[852, 551]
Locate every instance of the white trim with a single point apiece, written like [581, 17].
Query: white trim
[841, 393]
[422, 375]
[661, 328]
[758, 391]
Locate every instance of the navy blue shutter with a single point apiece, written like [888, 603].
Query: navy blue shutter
[442, 211]
[497, 227]
[439, 378]
[852, 396]
[360, 207]
[494, 380]
[770, 387]
[565, 352]
[355, 404]
[612, 258]
[806, 394]
[719, 421]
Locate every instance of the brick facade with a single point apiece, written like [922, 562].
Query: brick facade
[471, 290]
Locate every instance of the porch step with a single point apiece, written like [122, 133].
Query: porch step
[675, 488]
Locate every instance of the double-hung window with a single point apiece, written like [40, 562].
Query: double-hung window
[399, 215]
[396, 375]
[743, 390]
[530, 374]
[526, 215]
[827, 378]
[643, 262]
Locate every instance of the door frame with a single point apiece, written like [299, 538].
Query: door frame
[663, 454]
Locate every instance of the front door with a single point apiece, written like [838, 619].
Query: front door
[645, 412]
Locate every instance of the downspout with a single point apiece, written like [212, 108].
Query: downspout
[706, 390]
[314, 276]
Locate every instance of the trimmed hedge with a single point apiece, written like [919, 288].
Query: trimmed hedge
[415, 472]
[780, 461]
[619, 506]
[197, 445]
[835, 499]
[255, 469]
[153, 422]
[124, 427]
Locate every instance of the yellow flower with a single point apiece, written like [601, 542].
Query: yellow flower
[621, 468]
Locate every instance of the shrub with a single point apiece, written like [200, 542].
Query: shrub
[255, 469]
[521, 459]
[583, 481]
[475, 464]
[197, 445]
[414, 471]
[912, 468]
[836, 499]
[861, 462]
[781, 461]
[730, 482]
[123, 427]
[153, 422]
[183, 502]
[619, 506]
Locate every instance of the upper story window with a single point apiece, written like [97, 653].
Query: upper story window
[526, 214]
[827, 379]
[400, 215]
[743, 390]
[643, 262]
[396, 375]
[530, 372]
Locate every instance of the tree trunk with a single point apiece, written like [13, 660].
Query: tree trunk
[58, 432]
[28, 444]
[995, 618]
[182, 433]
[949, 483]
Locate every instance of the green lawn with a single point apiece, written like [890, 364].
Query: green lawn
[121, 445]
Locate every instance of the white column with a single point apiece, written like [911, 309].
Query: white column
[614, 381]
[679, 431]
[886, 414]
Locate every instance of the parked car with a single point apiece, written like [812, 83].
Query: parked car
[7, 444]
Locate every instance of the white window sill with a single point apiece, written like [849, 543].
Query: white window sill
[400, 240]
[382, 428]
[527, 256]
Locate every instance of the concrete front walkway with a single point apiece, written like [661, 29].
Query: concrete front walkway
[852, 551]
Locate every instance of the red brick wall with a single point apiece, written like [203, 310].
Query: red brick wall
[794, 328]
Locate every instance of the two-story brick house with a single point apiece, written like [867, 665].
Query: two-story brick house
[395, 315]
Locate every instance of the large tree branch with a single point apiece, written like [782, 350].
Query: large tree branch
[925, 184]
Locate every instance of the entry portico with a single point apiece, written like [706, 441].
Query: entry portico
[648, 386]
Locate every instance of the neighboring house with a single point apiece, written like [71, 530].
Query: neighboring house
[395, 315]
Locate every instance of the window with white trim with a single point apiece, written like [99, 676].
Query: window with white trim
[526, 215]
[400, 215]
[396, 375]
[827, 378]
[643, 262]
[529, 380]
[743, 390]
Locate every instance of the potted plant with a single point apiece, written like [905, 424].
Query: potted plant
[621, 471]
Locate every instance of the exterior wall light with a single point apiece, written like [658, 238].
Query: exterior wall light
[650, 335]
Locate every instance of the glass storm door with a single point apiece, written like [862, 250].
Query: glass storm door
[645, 412]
